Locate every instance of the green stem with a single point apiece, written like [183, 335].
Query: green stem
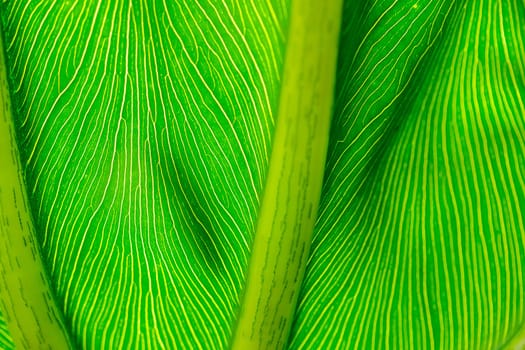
[293, 188]
[32, 316]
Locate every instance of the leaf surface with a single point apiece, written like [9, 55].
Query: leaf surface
[146, 134]
[420, 236]
[146, 129]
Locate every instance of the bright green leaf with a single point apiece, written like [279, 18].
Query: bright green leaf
[148, 131]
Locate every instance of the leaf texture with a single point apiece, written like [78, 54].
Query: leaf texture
[145, 128]
[420, 238]
[5, 338]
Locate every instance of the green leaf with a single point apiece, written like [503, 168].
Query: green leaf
[149, 137]
[420, 237]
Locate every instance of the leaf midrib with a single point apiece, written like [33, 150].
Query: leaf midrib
[293, 186]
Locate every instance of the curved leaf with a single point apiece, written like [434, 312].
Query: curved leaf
[420, 237]
[146, 136]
